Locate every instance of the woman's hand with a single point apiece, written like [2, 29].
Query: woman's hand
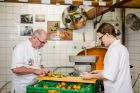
[96, 71]
[86, 75]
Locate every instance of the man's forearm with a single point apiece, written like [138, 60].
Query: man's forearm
[23, 70]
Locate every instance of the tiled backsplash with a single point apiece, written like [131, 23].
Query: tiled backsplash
[55, 53]
[133, 45]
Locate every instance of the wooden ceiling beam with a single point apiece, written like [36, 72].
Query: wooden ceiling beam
[95, 3]
[132, 4]
[116, 5]
[62, 2]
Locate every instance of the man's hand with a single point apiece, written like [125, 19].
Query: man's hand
[41, 72]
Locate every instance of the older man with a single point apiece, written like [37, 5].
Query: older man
[26, 61]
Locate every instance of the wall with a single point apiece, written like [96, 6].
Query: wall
[55, 53]
[133, 45]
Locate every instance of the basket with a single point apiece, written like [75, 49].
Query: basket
[40, 87]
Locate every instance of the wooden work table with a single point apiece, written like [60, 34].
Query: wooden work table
[67, 79]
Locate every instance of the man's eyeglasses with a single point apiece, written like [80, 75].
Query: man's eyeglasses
[100, 38]
[39, 40]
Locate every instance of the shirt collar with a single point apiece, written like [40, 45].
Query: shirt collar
[114, 43]
[29, 42]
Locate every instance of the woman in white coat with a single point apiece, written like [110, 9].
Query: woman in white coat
[116, 73]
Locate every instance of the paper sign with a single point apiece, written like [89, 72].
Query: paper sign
[102, 3]
[87, 3]
[46, 1]
[23, 0]
[114, 1]
[68, 1]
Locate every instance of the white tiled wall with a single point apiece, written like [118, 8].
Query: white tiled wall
[133, 45]
[55, 53]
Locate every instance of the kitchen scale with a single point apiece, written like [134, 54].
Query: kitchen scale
[82, 64]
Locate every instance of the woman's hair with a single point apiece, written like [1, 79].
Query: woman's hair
[108, 28]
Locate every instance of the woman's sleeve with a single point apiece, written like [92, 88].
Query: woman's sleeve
[111, 67]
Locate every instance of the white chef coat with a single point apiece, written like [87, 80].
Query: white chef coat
[117, 69]
[24, 55]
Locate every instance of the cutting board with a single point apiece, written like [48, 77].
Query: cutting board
[67, 79]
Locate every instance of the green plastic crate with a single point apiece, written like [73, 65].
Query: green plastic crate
[38, 87]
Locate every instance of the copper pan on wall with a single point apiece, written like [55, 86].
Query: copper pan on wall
[74, 17]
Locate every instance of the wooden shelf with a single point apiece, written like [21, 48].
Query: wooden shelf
[132, 4]
[128, 4]
[62, 2]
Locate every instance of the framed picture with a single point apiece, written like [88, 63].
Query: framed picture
[26, 30]
[40, 18]
[57, 33]
[26, 18]
[60, 34]
[132, 22]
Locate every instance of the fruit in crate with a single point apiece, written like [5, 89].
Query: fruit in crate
[53, 91]
[63, 83]
[58, 86]
[78, 87]
[45, 86]
[74, 87]
[69, 87]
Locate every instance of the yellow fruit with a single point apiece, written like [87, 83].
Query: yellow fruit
[69, 87]
[63, 83]
[49, 74]
[74, 86]
[52, 91]
[63, 87]
[45, 86]
[78, 87]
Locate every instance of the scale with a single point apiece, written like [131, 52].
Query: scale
[82, 64]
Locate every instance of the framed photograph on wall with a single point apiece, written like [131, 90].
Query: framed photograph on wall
[26, 30]
[52, 27]
[132, 22]
[56, 33]
[26, 19]
[40, 18]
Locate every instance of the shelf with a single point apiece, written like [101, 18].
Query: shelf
[132, 4]
[62, 2]
[128, 4]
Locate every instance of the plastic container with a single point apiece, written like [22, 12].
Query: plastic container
[50, 87]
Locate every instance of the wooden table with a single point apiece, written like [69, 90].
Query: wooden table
[67, 79]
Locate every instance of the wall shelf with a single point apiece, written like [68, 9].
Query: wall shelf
[62, 2]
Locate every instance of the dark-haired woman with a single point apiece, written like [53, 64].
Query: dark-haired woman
[116, 73]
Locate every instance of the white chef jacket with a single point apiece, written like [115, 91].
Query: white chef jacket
[24, 55]
[117, 69]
